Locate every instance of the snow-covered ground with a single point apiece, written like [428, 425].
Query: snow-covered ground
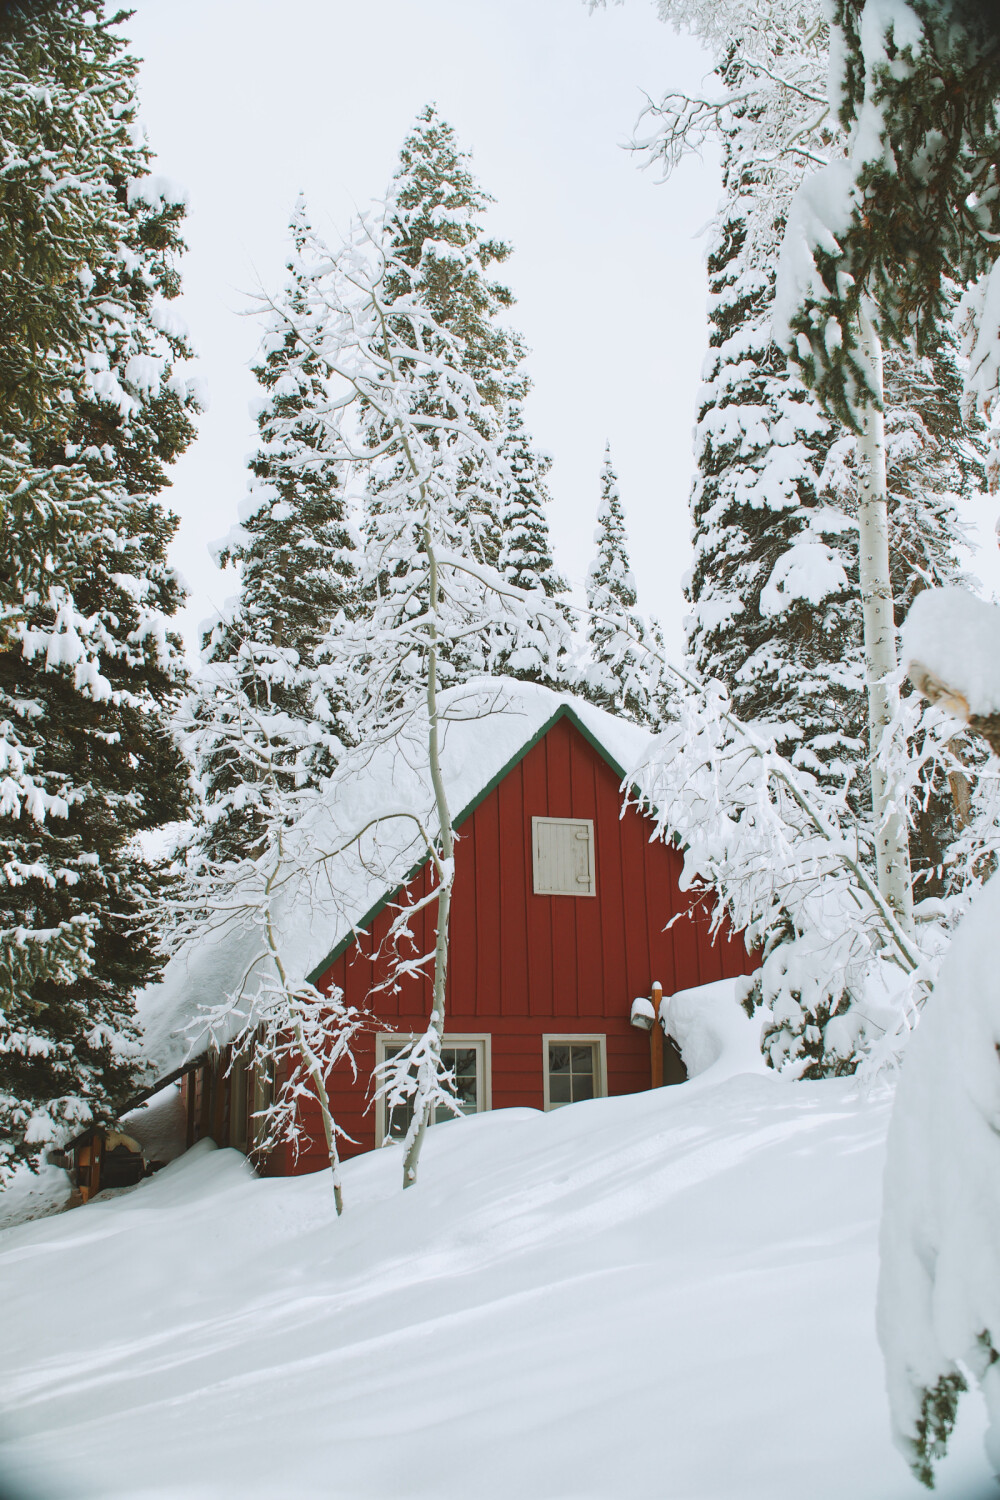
[665, 1295]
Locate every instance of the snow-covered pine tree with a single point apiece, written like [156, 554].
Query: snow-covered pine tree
[264, 717]
[438, 237]
[524, 549]
[624, 674]
[410, 422]
[438, 232]
[911, 210]
[776, 580]
[935, 459]
[94, 410]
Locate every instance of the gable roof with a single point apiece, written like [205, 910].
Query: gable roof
[566, 711]
[491, 725]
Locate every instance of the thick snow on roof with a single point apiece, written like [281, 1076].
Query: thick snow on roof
[321, 897]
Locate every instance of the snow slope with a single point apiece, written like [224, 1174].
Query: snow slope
[663, 1295]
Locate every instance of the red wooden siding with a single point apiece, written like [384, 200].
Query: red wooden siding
[522, 965]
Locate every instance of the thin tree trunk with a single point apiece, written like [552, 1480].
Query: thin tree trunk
[313, 1065]
[892, 846]
[315, 1071]
[445, 865]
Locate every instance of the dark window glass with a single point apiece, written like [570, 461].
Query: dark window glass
[461, 1062]
[572, 1069]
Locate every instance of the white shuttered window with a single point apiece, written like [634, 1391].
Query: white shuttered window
[563, 856]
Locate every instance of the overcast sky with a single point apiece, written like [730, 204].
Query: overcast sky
[247, 103]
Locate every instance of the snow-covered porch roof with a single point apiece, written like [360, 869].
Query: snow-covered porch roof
[320, 905]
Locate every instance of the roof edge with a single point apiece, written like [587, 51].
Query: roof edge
[564, 711]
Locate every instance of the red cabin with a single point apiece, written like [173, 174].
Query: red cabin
[564, 911]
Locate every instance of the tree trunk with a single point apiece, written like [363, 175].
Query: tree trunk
[892, 846]
[446, 870]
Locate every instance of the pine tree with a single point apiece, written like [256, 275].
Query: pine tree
[410, 425]
[437, 232]
[524, 547]
[776, 581]
[935, 459]
[91, 672]
[266, 709]
[440, 251]
[623, 674]
[887, 230]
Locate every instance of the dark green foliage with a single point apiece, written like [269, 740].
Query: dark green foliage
[437, 231]
[938, 1410]
[266, 720]
[90, 674]
[791, 661]
[924, 208]
[625, 674]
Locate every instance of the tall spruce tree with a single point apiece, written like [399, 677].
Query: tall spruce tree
[625, 672]
[444, 254]
[94, 411]
[776, 579]
[524, 546]
[267, 717]
[410, 426]
[774, 583]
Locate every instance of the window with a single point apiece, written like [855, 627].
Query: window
[466, 1057]
[575, 1068]
[563, 856]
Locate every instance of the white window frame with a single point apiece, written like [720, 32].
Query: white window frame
[578, 890]
[571, 1039]
[481, 1040]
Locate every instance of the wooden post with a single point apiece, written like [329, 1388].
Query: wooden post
[656, 1038]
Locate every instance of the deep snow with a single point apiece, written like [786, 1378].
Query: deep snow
[664, 1295]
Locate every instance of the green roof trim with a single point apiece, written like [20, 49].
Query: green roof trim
[564, 711]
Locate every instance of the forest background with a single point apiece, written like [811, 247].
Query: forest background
[608, 267]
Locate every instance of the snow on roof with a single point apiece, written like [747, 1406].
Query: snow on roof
[320, 903]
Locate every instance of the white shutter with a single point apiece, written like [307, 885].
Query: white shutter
[563, 856]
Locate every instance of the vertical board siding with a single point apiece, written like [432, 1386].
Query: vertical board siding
[522, 965]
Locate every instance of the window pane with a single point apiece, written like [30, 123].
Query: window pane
[572, 1071]
[559, 1088]
[558, 1059]
[461, 1062]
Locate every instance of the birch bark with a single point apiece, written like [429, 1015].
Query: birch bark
[445, 865]
[892, 846]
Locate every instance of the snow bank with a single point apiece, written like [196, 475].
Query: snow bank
[34, 1195]
[662, 1296]
[716, 1037]
[939, 1285]
[489, 722]
[957, 638]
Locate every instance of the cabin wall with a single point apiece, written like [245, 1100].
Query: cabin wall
[523, 965]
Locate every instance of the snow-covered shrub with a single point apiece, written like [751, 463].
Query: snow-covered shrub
[939, 1284]
[778, 853]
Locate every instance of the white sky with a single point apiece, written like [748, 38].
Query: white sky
[247, 101]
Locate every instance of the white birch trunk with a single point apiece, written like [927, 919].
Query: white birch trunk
[892, 845]
[314, 1066]
[446, 867]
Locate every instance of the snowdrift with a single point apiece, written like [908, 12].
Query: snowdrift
[662, 1295]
